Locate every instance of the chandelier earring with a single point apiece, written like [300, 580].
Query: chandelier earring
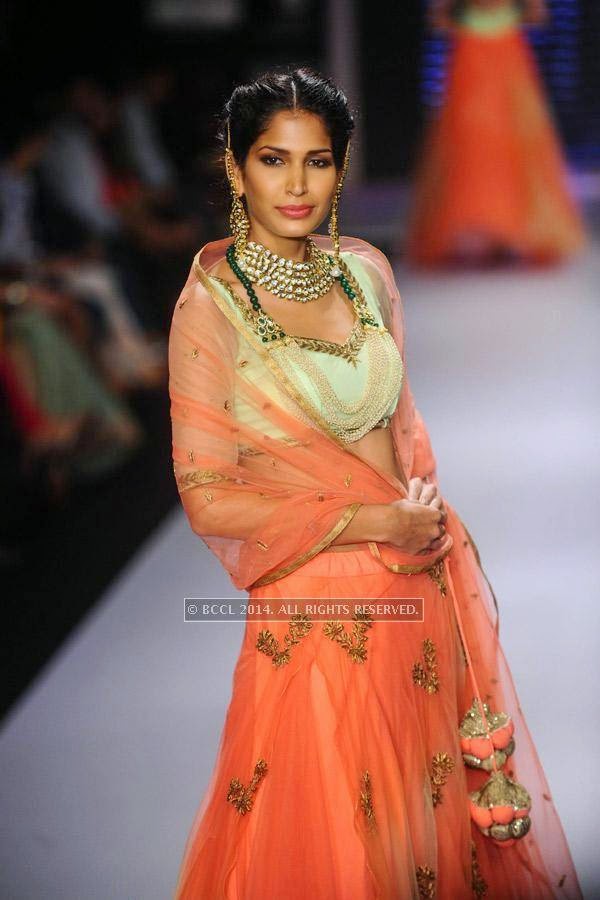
[239, 223]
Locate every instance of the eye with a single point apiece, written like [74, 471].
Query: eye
[319, 163]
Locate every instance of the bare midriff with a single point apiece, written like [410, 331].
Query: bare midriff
[377, 447]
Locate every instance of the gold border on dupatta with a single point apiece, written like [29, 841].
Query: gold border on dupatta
[349, 512]
[400, 569]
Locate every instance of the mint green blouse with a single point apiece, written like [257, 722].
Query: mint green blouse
[351, 397]
[489, 21]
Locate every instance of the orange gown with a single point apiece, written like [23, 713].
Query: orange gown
[491, 161]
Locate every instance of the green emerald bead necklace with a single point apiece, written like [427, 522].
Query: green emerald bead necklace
[270, 330]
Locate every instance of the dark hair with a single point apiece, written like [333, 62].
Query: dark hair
[252, 106]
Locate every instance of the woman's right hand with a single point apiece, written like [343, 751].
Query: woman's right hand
[416, 527]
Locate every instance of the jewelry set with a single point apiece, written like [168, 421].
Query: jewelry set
[288, 279]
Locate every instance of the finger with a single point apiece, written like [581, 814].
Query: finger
[414, 488]
[438, 503]
[428, 492]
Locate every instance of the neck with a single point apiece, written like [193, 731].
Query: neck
[290, 248]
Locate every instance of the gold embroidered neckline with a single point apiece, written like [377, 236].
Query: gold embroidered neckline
[349, 350]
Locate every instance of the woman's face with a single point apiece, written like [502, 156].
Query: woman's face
[289, 177]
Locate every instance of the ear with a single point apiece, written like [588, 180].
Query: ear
[239, 179]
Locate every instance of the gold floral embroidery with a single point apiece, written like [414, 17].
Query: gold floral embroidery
[199, 476]
[195, 352]
[208, 496]
[242, 363]
[262, 545]
[478, 883]
[427, 676]
[298, 627]
[191, 455]
[354, 644]
[441, 765]
[366, 800]
[242, 797]
[227, 405]
[436, 573]
[426, 882]
[348, 480]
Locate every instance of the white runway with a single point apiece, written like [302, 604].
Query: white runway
[104, 762]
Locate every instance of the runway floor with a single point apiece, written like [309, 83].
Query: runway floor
[104, 761]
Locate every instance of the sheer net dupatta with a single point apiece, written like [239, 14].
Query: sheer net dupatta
[262, 479]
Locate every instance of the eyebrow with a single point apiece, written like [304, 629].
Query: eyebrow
[286, 152]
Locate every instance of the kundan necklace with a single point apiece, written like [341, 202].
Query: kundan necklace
[270, 330]
[287, 278]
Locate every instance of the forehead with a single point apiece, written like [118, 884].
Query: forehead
[296, 127]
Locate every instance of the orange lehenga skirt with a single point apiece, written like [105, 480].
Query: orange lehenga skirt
[340, 772]
[491, 162]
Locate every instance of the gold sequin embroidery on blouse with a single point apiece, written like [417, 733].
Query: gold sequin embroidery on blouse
[426, 882]
[366, 800]
[242, 797]
[354, 643]
[441, 766]
[426, 676]
[298, 627]
[478, 883]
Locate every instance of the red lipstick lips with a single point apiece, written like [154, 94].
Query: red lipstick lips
[295, 212]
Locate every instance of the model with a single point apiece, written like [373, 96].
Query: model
[491, 184]
[367, 752]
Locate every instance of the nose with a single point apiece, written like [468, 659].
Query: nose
[296, 180]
